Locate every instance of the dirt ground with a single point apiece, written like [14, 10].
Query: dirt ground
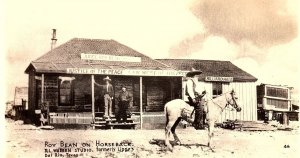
[29, 141]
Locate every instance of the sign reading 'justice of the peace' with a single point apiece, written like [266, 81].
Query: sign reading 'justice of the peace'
[105, 57]
[219, 79]
[126, 72]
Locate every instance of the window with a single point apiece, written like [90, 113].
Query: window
[65, 91]
[216, 89]
[283, 104]
[277, 92]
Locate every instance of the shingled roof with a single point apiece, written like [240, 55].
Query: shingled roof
[68, 55]
[211, 68]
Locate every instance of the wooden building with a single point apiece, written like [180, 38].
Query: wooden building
[219, 77]
[61, 81]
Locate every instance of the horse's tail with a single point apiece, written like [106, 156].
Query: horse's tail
[166, 113]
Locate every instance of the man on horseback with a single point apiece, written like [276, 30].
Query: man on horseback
[195, 99]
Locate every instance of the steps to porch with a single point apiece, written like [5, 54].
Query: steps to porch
[111, 123]
[85, 119]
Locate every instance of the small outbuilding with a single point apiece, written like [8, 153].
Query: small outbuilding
[20, 103]
[275, 103]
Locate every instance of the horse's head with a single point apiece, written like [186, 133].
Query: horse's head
[233, 101]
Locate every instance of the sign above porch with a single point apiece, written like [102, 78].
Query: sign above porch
[126, 72]
[90, 56]
[218, 79]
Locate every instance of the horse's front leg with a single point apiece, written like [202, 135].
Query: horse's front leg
[211, 127]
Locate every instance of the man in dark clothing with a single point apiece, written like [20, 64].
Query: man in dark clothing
[108, 92]
[124, 99]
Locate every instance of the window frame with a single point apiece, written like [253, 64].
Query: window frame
[71, 104]
[218, 84]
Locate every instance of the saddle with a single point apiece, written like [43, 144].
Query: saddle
[187, 114]
[195, 109]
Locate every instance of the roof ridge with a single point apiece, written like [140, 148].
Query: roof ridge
[194, 59]
[90, 39]
[71, 49]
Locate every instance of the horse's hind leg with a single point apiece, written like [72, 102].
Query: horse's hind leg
[167, 133]
[173, 130]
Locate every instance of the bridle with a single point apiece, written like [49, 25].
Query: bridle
[228, 101]
[235, 105]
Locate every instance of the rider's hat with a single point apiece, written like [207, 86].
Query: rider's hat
[193, 72]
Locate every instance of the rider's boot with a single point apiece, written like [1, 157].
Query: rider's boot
[198, 122]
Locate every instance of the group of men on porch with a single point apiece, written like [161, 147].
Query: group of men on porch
[124, 99]
[195, 99]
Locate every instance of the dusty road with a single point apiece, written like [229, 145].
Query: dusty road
[28, 141]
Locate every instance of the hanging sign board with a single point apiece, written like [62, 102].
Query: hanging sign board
[105, 57]
[126, 72]
[21, 93]
[38, 77]
[218, 79]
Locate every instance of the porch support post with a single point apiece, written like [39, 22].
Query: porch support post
[182, 88]
[141, 102]
[43, 98]
[43, 83]
[93, 98]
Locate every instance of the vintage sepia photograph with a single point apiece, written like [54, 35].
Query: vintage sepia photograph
[148, 78]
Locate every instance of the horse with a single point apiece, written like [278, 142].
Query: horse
[177, 109]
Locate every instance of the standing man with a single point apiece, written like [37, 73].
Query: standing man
[108, 92]
[124, 99]
[195, 98]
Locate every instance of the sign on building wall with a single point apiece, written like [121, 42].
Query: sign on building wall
[218, 79]
[105, 57]
[126, 72]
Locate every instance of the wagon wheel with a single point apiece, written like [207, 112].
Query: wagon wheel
[233, 126]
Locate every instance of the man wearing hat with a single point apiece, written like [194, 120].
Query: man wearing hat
[124, 99]
[194, 97]
[108, 92]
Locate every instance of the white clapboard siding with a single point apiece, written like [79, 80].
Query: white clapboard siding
[246, 93]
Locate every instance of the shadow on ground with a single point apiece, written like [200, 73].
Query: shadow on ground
[163, 147]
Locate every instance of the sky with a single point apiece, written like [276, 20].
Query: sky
[259, 36]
